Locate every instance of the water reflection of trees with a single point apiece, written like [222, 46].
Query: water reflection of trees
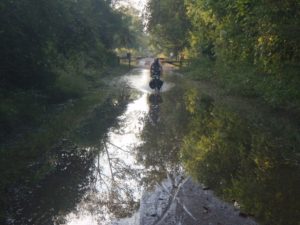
[116, 187]
[243, 160]
[107, 191]
[58, 192]
[159, 153]
[65, 175]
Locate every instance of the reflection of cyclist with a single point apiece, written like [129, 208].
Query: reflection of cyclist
[156, 68]
[154, 108]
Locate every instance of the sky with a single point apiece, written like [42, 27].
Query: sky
[139, 4]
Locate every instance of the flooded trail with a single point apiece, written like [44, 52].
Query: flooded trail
[118, 185]
[117, 189]
[133, 173]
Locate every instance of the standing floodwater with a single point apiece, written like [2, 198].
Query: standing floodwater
[137, 173]
[97, 179]
[117, 188]
[119, 175]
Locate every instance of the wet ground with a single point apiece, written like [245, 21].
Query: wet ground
[133, 174]
[183, 201]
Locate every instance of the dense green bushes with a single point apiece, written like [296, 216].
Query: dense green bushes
[253, 45]
[168, 24]
[246, 80]
[54, 51]
[37, 37]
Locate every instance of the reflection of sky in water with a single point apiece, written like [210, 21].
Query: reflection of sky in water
[118, 159]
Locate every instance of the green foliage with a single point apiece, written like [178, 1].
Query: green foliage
[132, 33]
[133, 38]
[71, 82]
[168, 24]
[254, 44]
[37, 37]
[245, 80]
[201, 69]
[51, 52]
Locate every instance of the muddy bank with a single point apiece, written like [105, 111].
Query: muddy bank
[181, 201]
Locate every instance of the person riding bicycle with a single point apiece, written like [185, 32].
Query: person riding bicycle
[156, 68]
[155, 73]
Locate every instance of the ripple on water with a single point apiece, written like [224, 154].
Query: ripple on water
[139, 79]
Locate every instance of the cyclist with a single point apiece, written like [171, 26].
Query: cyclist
[156, 68]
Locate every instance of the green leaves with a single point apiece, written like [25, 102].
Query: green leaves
[168, 24]
[39, 36]
[250, 24]
[253, 39]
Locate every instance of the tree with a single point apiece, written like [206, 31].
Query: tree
[168, 24]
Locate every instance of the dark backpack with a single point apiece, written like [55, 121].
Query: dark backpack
[155, 69]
